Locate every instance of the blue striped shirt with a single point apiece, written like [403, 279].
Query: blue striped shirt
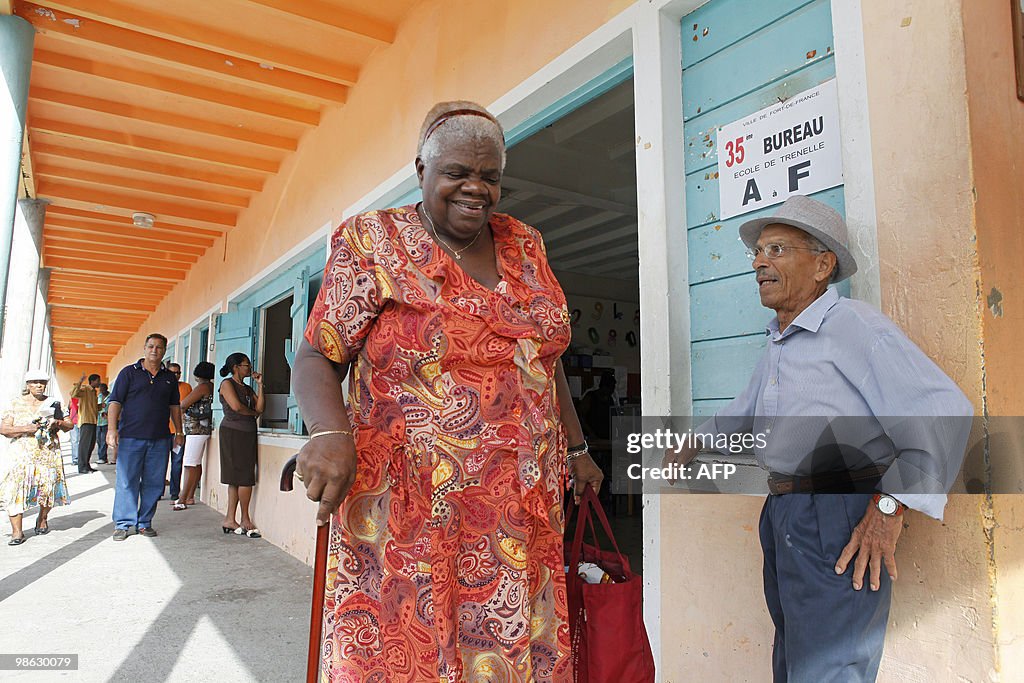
[842, 388]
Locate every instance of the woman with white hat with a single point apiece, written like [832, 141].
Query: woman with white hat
[33, 473]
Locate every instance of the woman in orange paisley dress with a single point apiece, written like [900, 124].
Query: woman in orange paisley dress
[449, 462]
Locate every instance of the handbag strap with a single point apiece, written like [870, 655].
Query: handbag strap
[590, 505]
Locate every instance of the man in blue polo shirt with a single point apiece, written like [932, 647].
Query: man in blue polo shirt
[144, 398]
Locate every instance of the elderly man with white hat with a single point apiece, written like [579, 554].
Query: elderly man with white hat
[858, 424]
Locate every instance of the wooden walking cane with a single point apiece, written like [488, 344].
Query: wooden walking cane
[316, 617]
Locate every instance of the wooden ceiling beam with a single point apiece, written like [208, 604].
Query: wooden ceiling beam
[90, 305]
[209, 39]
[52, 190]
[77, 265]
[98, 322]
[568, 196]
[148, 144]
[109, 259]
[123, 238]
[69, 226]
[128, 304]
[77, 358]
[168, 53]
[112, 279]
[162, 118]
[175, 86]
[125, 285]
[204, 175]
[80, 346]
[105, 180]
[90, 330]
[58, 212]
[347, 22]
[76, 347]
[101, 250]
[99, 342]
[64, 315]
[107, 294]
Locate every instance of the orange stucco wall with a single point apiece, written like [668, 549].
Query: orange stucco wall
[956, 603]
[440, 52]
[68, 373]
[997, 147]
[930, 280]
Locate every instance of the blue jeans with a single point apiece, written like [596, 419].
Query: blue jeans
[101, 443]
[824, 630]
[141, 464]
[176, 460]
[74, 445]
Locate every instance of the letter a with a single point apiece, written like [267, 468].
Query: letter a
[751, 192]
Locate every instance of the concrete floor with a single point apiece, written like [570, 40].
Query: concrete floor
[192, 604]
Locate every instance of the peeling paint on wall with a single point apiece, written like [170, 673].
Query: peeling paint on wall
[995, 302]
[48, 13]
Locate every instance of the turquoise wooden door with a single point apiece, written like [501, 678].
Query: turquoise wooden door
[738, 57]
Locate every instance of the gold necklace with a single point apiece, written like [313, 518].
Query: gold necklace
[457, 253]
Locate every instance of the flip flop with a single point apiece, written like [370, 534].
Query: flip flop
[178, 505]
[16, 541]
[250, 533]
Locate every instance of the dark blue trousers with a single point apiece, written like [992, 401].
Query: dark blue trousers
[824, 629]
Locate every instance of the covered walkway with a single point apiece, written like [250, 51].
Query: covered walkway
[189, 605]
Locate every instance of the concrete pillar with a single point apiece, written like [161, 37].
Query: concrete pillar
[22, 289]
[40, 322]
[16, 39]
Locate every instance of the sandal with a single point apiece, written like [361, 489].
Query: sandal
[250, 533]
[42, 530]
[16, 541]
[190, 501]
[178, 505]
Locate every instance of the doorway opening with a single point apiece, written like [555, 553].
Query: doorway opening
[575, 181]
[275, 333]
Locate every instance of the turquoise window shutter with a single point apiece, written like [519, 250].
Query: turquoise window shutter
[300, 296]
[738, 57]
[235, 332]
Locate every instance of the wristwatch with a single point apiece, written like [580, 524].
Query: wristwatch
[888, 506]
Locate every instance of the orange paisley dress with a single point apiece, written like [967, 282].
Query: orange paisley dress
[445, 560]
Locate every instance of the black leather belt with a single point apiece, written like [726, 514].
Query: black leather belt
[842, 481]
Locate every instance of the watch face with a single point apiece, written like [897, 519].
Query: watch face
[887, 505]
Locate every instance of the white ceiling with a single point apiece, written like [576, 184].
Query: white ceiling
[575, 181]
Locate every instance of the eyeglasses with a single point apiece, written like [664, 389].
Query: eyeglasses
[774, 251]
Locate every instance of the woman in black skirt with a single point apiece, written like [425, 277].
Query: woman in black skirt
[238, 432]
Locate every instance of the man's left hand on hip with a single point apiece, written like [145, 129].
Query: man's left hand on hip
[873, 541]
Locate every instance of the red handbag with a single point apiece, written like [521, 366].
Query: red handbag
[609, 641]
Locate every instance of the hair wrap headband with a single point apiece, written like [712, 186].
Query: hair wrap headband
[457, 112]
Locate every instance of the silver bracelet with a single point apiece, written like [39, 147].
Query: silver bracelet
[571, 457]
[343, 432]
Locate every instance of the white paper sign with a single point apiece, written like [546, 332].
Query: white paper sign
[785, 149]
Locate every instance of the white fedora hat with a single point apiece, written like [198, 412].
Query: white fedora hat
[816, 219]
